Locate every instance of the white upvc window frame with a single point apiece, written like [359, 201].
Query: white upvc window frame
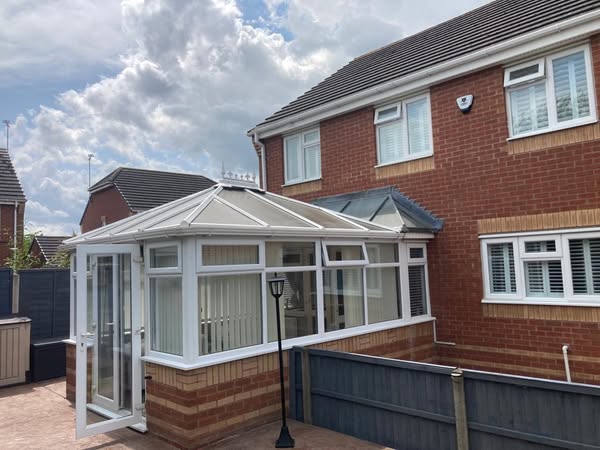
[548, 80]
[163, 270]
[301, 156]
[402, 117]
[407, 261]
[534, 76]
[347, 263]
[562, 254]
[228, 268]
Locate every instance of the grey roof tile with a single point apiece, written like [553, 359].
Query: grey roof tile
[490, 24]
[145, 189]
[10, 186]
[49, 245]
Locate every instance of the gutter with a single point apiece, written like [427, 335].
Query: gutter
[569, 30]
[263, 161]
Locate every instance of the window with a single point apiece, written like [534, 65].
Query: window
[383, 283]
[344, 254]
[550, 93]
[404, 131]
[549, 268]
[212, 256]
[302, 154]
[417, 280]
[343, 298]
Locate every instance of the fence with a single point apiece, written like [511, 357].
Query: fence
[6, 289]
[411, 405]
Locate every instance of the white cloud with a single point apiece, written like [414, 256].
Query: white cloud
[195, 77]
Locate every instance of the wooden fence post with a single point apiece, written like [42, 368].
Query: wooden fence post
[460, 410]
[306, 387]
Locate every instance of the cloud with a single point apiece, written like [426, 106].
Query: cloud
[194, 76]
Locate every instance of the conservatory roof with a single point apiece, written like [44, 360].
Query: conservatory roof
[225, 210]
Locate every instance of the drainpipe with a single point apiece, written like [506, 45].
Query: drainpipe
[263, 162]
[435, 341]
[565, 351]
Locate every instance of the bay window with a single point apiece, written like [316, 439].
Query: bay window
[550, 93]
[302, 156]
[549, 268]
[403, 130]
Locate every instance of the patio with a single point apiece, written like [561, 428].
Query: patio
[38, 416]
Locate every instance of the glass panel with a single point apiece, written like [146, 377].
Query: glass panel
[540, 246]
[311, 136]
[417, 290]
[383, 299]
[288, 254]
[571, 87]
[585, 266]
[222, 255]
[389, 141]
[166, 315]
[417, 115]
[416, 253]
[364, 208]
[229, 312]
[529, 110]
[298, 306]
[520, 73]
[105, 368]
[345, 252]
[343, 298]
[164, 257]
[388, 113]
[219, 213]
[314, 214]
[382, 253]
[502, 269]
[312, 162]
[292, 158]
[543, 279]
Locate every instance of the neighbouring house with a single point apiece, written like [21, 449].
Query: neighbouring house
[12, 207]
[46, 248]
[489, 121]
[127, 191]
[409, 220]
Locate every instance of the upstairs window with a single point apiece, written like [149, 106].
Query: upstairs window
[302, 156]
[550, 93]
[404, 131]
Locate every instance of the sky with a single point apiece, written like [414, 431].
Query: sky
[167, 84]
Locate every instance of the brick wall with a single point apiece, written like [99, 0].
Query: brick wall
[477, 174]
[7, 222]
[108, 203]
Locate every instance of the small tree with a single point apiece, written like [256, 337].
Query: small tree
[61, 259]
[21, 259]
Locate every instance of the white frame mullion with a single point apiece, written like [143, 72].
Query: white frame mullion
[404, 282]
[189, 293]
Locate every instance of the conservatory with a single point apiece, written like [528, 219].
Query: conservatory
[185, 286]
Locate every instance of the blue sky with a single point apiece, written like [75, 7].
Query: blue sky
[167, 84]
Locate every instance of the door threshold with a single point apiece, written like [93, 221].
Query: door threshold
[139, 427]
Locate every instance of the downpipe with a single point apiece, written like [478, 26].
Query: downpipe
[565, 351]
[263, 162]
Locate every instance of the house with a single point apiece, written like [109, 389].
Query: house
[12, 207]
[127, 191]
[409, 220]
[489, 121]
[46, 248]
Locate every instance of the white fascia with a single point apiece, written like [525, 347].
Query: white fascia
[570, 30]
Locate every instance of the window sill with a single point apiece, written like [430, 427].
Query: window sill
[233, 355]
[566, 126]
[543, 302]
[296, 183]
[412, 158]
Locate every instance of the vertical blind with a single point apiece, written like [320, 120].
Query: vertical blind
[417, 291]
[502, 268]
[417, 115]
[312, 162]
[585, 266]
[292, 158]
[390, 142]
[166, 315]
[529, 109]
[230, 314]
[571, 87]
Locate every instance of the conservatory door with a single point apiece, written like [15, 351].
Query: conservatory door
[108, 369]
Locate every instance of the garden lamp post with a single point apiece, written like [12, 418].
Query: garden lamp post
[285, 439]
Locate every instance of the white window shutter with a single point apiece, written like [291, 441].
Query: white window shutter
[502, 269]
[417, 116]
[417, 290]
[571, 87]
[585, 266]
[292, 159]
[390, 142]
[312, 162]
[529, 109]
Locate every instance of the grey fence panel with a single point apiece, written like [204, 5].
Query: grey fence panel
[44, 298]
[6, 287]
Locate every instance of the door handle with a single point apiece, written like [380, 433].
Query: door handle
[84, 335]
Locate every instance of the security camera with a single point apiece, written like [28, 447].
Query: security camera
[465, 103]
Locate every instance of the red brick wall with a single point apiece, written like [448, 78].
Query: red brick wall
[108, 203]
[7, 219]
[475, 177]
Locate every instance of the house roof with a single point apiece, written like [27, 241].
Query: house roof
[384, 206]
[145, 189]
[490, 24]
[225, 210]
[10, 186]
[49, 245]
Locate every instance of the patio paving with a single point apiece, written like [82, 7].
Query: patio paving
[38, 416]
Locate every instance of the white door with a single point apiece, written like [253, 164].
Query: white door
[108, 328]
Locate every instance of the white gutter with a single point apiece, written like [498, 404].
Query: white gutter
[565, 351]
[571, 29]
[263, 161]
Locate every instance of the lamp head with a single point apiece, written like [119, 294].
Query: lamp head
[276, 286]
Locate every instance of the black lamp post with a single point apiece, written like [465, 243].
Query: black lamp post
[285, 438]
